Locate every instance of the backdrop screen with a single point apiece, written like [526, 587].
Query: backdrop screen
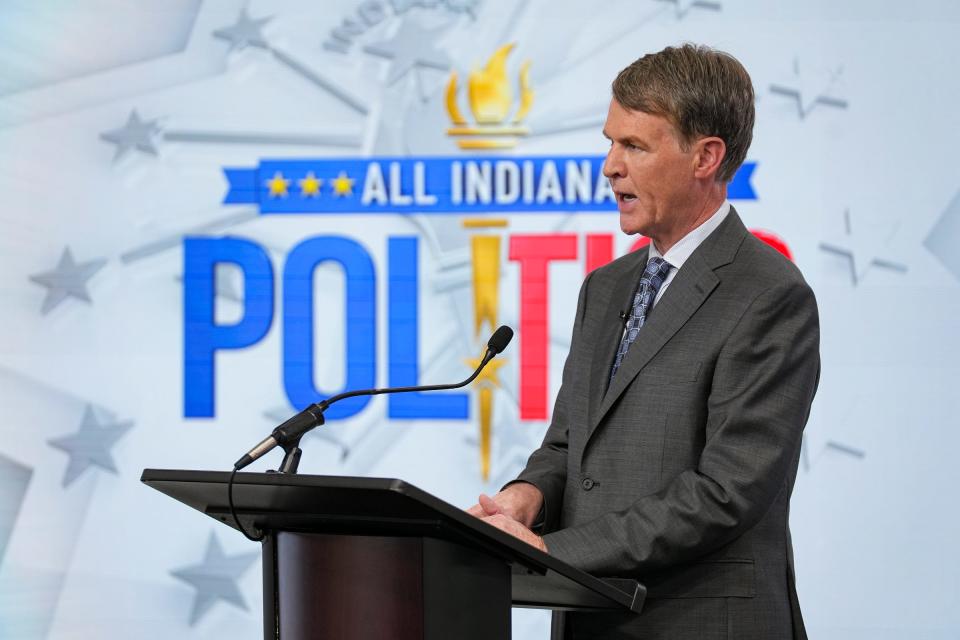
[213, 214]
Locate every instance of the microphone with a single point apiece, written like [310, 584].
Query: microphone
[290, 432]
[500, 339]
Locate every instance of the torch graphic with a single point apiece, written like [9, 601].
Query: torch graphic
[485, 254]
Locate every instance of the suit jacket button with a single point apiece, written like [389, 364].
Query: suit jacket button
[587, 484]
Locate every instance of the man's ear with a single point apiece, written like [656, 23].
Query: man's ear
[708, 154]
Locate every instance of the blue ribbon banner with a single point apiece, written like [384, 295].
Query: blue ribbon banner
[507, 184]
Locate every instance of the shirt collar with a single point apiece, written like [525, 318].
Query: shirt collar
[685, 247]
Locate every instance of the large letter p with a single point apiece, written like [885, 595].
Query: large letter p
[202, 337]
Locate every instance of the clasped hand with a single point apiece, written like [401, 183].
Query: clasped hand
[512, 511]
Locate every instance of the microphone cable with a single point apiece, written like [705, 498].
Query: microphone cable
[233, 512]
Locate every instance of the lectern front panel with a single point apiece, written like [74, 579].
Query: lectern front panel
[397, 588]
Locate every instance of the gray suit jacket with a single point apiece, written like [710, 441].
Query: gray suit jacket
[680, 473]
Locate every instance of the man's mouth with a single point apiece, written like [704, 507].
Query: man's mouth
[623, 196]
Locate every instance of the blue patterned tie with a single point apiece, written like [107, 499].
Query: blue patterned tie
[650, 282]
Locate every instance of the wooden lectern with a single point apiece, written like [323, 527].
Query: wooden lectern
[371, 558]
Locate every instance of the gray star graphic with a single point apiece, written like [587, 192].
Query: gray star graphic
[67, 279]
[683, 6]
[412, 46]
[90, 445]
[809, 91]
[862, 250]
[135, 134]
[244, 32]
[215, 578]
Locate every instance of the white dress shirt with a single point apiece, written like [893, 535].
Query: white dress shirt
[682, 250]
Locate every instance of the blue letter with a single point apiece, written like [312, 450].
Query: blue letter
[361, 308]
[404, 351]
[201, 336]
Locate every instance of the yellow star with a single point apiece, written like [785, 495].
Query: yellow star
[278, 185]
[489, 373]
[342, 185]
[310, 186]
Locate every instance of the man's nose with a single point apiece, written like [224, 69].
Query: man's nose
[613, 164]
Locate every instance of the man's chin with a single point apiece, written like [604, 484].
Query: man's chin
[630, 226]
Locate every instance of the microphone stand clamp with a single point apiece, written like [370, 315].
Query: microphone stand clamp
[288, 436]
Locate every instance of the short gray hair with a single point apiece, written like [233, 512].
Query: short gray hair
[701, 91]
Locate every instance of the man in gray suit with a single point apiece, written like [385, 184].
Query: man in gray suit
[676, 433]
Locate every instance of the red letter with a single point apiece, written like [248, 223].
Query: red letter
[534, 253]
[599, 250]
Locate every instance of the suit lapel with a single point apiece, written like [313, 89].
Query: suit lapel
[692, 285]
[621, 298]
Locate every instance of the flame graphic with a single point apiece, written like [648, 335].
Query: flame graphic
[488, 89]
[491, 99]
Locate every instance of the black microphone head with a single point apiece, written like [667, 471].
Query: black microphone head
[500, 339]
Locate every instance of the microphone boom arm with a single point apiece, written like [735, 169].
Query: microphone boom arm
[288, 434]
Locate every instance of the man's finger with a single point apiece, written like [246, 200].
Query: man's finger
[489, 505]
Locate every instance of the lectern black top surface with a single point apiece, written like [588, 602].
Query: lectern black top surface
[383, 506]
